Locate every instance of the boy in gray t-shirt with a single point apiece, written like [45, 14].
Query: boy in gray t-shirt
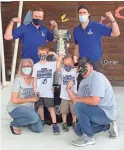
[95, 106]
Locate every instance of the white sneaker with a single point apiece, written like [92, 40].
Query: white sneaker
[83, 141]
[113, 131]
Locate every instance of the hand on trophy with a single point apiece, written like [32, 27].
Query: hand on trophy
[54, 25]
[61, 56]
[52, 53]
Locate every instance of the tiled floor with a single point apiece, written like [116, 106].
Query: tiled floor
[48, 141]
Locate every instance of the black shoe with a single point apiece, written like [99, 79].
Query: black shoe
[43, 122]
[73, 125]
[56, 129]
[65, 127]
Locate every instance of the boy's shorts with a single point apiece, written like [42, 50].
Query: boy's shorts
[44, 101]
[66, 106]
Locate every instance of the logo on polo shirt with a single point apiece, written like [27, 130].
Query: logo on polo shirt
[89, 32]
[42, 33]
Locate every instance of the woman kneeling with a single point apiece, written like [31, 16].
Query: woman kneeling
[21, 106]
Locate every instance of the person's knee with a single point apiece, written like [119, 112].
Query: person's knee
[33, 117]
[79, 108]
[37, 129]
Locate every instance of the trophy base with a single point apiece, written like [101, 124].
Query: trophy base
[57, 85]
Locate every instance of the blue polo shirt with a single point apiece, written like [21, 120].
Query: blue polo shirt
[32, 38]
[89, 39]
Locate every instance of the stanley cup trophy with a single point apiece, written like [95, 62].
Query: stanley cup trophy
[62, 36]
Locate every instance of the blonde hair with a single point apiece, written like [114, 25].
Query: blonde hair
[22, 61]
[68, 56]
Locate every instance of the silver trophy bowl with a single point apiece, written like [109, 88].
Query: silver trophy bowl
[61, 38]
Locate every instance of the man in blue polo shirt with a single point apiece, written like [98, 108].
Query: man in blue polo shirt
[88, 36]
[32, 35]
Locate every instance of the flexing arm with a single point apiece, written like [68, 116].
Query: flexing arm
[58, 64]
[50, 35]
[8, 33]
[90, 100]
[115, 27]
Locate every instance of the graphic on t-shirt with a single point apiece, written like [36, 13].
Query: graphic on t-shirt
[85, 90]
[28, 92]
[44, 81]
[44, 73]
[67, 78]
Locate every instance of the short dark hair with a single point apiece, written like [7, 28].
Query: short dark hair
[83, 7]
[82, 61]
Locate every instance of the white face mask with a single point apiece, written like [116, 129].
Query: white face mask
[83, 18]
[27, 70]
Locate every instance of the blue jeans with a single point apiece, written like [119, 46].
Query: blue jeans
[26, 116]
[91, 119]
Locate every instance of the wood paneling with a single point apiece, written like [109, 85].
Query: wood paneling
[113, 48]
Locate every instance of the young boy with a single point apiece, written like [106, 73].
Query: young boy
[43, 84]
[68, 72]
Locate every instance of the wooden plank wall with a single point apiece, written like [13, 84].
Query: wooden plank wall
[113, 48]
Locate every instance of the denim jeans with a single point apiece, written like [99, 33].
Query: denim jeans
[26, 116]
[91, 119]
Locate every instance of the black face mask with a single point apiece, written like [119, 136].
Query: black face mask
[37, 21]
[82, 70]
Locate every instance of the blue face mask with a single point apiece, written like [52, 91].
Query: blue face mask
[27, 70]
[68, 68]
[37, 21]
[83, 18]
[43, 57]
